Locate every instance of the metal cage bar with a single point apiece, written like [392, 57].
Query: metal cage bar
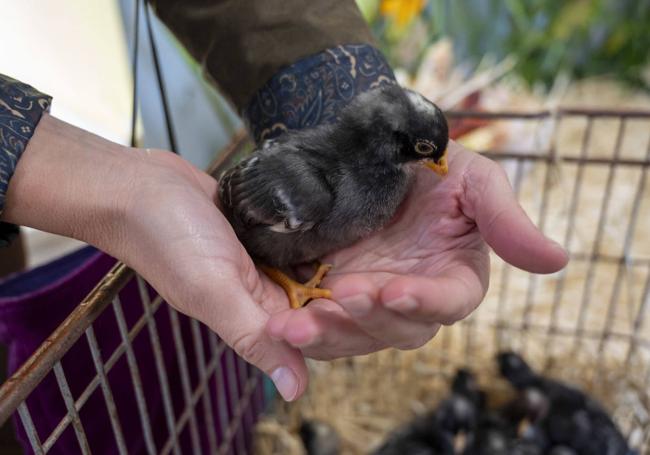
[70, 405]
[136, 380]
[32, 434]
[106, 390]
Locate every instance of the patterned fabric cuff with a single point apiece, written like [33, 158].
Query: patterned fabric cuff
[314, 89]
[21, 107]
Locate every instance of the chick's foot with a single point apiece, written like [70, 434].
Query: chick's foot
[299, 294]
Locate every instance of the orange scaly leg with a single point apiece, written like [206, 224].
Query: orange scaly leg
[300, 294]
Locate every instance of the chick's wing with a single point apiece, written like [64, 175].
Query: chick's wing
[276, 187]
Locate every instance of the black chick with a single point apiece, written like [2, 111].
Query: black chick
[525, 413]
[492, 436]
[562, 450]
[459, 414]
[319, 438]
[420, 437]
[314, 191]
[444, 431]
[572, 419]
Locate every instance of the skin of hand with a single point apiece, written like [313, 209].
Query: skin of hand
[156, 212]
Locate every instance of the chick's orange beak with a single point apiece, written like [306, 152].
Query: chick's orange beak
[440, 166]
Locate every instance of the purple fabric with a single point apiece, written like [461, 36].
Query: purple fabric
[33, 304]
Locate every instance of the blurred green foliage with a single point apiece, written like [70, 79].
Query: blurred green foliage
[578, 38]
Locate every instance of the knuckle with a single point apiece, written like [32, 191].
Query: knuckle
[251, 348]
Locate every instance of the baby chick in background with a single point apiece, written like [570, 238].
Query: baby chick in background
[448, 429]
[566, 415]
[319, 438]
[313, 191]
[459, 414]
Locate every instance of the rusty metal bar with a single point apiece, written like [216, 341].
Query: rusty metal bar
[208, 413]
[242, 372]
[497, 155]
[30, 429]
[135, 377]
[182, 420]
[200, 390]
[568, 236]
[543, 210]
[23, 381]
[224, 158]
[106, 390]
[88, 391]
[505, 271]
[629, 236]
[185, 379]
[532, 115]
[608, 259]
[638, 321]
[233, 428]
[72, 411]
[603, 213]
[235, 392]
[217, 348]
[160, 363]
[588, 334]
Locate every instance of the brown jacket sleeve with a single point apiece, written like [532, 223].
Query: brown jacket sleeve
[242, 43]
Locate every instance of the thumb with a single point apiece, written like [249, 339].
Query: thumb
[507, 229]
[241, 324]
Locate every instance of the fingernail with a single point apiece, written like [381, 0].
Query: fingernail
[402, 304]
[357, 305]
[286, 383]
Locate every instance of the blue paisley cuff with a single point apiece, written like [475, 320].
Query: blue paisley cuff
[314, 89]
[21, 107]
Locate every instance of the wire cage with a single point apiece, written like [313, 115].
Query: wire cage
[582, 177]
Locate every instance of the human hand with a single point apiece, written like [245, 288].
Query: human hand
[156, 213]
[429, 267]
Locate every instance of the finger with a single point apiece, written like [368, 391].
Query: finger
[241, 324]
[322, 330]
[503, 223]
[444, 299]
[359, 295]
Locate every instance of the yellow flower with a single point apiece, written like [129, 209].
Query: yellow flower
[401, 12]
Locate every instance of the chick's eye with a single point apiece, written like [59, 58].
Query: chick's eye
[424, 148]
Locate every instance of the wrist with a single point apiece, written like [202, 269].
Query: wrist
[73, 183]
[313, 90]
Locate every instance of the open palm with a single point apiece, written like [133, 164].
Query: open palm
[429, 266]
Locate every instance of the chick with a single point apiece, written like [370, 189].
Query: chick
[458, 415]
[422, 436]
[492, 436]
[313, 191]
[446, 430]
[562, 450]
[319, 438]
[525, 413]
[572, 418]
